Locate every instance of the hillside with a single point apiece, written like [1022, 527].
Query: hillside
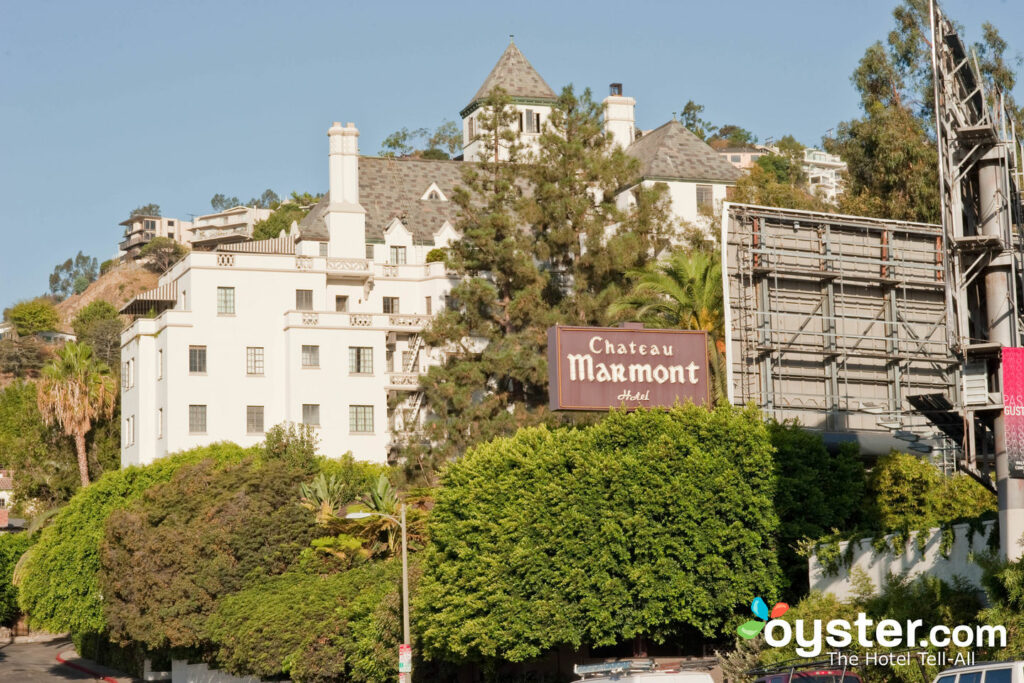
[117, 285]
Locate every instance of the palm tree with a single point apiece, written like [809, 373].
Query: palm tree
[684, 292]
[74, 390]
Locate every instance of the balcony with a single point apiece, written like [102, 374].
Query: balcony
[403, 381]
[391, 322]
[136, 239]
[213, 235]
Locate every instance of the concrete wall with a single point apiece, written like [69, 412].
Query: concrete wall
[183, 672]
[912, 561]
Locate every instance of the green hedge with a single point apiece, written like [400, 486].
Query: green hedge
[12, 547]
[61, 591]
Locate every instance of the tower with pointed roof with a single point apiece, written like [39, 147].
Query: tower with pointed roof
[531, 96]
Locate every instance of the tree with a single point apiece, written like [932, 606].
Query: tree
[220, 202]
[684, 292]
[776, 181]
[692, 121]
[76, 390]
[32, 316]
[162, 253]
[642, 526]
[286, 213]
[42, 456]
[99, 325]
[211, 530]
[73, 276]
[146, 210]
[22, 357]
[731, 135]
[421, 143]
[542, 243]
[60, 591]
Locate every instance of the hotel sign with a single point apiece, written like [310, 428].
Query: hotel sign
[597, 368]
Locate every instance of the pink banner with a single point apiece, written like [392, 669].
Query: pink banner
[1013, 408]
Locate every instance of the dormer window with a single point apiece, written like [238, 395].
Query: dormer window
[433, 194]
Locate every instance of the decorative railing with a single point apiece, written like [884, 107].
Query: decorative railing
[407, 380]
[410, 321]
[360, 320]
[304, 262]
[355, 265]
[310, 319]
[225, 260]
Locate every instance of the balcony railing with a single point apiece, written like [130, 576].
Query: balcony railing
[403, 381]
[392, 322]
[137, 239]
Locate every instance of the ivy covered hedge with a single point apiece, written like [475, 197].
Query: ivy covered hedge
[639, 526]
[12, 547]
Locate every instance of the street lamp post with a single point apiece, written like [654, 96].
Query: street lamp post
[406, 638]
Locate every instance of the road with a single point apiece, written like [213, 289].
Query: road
[37, 663]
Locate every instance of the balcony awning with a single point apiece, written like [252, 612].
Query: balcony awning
[155, 300]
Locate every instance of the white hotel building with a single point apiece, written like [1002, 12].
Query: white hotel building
[323, 325]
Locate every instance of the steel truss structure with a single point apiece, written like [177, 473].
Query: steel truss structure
[834, 320]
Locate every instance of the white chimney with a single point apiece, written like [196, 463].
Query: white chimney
[619, 119]
[344, 164]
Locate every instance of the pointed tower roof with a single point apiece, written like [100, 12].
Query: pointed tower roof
[672, 152]
[516, 76]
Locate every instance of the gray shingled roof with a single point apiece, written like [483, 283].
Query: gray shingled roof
[391, 188]
[671, 151]
[516, 76]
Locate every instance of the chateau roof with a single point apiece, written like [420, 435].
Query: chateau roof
[393, 188]
[516, 76]
[673, 152]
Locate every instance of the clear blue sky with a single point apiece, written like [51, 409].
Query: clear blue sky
[106, 106]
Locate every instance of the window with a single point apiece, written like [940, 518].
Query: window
[254, 419]
[311, 414]
[341, 304]
[704, 198]
[369, 252]
[323, 248]
[149, 226]
[159, 423]
[389, 358]
[304, 299]
[734, 158]
[170, 223]
[434, 195]
[131, 373]
[310, 356]
[170, 235]
[430, 305]
[160, 364]
[225, 301]
[254, 360]
[397, 256]
[529, 122]
[971, 677]
[998, 676]
[197, 360]
[360, 360]
[197, 419]
[129, 436]
[124, 375]
[471, 128]
[391, 304]
[407, 359]
[360, 419]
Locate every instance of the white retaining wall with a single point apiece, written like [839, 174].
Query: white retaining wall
[911, 562]
[183, 672]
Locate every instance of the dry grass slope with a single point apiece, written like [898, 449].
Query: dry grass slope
[118, 285]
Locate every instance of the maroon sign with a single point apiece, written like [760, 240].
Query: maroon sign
[596, 368]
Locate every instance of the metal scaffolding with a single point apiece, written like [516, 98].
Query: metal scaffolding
[979, 176]
[834, 320]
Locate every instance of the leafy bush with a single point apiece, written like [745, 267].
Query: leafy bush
[437, 254]
[107, 265]
[816, 493]
[34, 315]
[642, 525]
[61, 590]
[170, 557]
[12, 546]
[340, 627]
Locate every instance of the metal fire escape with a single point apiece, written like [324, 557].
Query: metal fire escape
[979, 176]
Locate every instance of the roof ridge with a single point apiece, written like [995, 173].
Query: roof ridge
[514, 73]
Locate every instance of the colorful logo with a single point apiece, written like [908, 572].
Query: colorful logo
[751, 628]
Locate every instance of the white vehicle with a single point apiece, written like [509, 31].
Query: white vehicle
[640, 671]
[984, 672]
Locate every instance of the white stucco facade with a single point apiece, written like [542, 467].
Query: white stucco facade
[247, 340]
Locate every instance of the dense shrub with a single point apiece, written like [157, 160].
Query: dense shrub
[642, 525]
[61, 591]
[170, 557]
[311, 628]
[816, 493]
[12, 546]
